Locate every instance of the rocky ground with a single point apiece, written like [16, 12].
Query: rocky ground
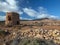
[15, 37]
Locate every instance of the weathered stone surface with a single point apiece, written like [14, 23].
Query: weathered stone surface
[12, 18]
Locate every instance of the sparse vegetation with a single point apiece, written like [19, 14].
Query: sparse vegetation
[34, 41]
[3, 33]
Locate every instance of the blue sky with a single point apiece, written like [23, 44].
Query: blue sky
[31, 9]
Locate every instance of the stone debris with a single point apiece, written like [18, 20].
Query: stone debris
[53, 35]
[43, 34]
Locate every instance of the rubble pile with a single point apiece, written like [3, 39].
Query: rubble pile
[43, 34]
[17, 36]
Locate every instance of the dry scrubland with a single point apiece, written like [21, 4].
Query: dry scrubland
[41, 32]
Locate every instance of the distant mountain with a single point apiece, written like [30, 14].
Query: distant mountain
[40, 19]
[46, 19]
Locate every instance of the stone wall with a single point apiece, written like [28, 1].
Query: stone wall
[12, 18]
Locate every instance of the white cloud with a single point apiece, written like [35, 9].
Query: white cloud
[25, 18]
[11, 2]
[40, 13]
[9, 6]
[42, 16]
[52, 16]
[30, 12]
[2, 18]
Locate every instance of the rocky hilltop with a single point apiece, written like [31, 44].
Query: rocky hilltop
[42, 22]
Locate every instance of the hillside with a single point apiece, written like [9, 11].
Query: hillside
[31, 32]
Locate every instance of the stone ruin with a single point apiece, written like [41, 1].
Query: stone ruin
[12, 18]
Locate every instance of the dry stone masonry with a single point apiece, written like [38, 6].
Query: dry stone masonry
[12, 18]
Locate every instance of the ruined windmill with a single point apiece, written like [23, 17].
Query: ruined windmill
[12, 18]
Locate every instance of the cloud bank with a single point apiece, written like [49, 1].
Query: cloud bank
[12, 6]
[9, 6]
[40, 13]
[2, 18]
